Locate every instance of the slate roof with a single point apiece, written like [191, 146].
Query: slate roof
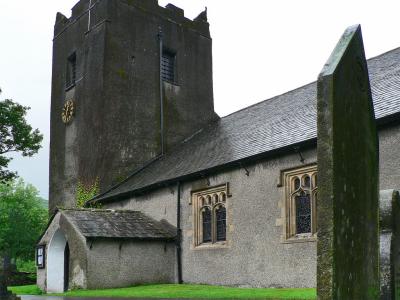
[270, 125]
[126, 224]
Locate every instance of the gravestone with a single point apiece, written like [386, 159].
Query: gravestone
[347, 205]
[389, 221]
[4, 275]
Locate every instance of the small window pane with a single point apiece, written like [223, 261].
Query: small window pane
[206, 215]
[296, 183]
[216, 199]
[307, 181]
[303, 214]
[221, 223]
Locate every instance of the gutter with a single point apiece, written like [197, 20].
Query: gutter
[200, 174]
[388, 120]
[137, 239]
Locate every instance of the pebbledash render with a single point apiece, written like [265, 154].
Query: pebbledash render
[183, 195]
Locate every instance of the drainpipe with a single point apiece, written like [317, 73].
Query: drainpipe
[179, 234]
[160, 39]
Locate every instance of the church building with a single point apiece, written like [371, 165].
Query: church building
[182, 195]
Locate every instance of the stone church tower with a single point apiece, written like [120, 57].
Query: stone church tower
[130, 81]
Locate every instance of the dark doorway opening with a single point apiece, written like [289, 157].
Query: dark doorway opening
[66, 267]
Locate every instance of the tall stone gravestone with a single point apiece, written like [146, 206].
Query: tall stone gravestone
[389, 221]
[4, 275]
[347, 205]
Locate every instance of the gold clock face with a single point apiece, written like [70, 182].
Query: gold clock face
[67, 111]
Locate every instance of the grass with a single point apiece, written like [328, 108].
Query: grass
[25, 290]
[183, 291]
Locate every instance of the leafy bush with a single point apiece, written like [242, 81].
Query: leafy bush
[23, 219]
[86, 192]
[27, 266]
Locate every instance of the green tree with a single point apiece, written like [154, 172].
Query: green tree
[22, 217]
[16, 135]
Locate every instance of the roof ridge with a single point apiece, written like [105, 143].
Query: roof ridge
[382, 54]
[298, 88]
[262, 101]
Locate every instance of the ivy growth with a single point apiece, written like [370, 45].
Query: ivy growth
[86, 192]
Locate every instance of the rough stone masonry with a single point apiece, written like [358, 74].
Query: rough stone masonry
[389, 218]
[347, 206]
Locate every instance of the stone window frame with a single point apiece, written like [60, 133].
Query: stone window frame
[206, 194]
[288, 208]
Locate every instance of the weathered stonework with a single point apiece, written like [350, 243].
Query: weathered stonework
[389, 215]
[116, 123]
[347, 206]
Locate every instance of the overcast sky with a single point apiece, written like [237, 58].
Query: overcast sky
[260, 49]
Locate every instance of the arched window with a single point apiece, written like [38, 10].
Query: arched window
[207, 224]
[301, 191]
[210, 216]
[220, 215]
[303, 213]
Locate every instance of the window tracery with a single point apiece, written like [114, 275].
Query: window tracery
[210, 215]
[300, 203]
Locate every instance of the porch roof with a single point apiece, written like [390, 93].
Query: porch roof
[120, 224]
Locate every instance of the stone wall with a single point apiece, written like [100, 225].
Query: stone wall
[389, 159]
[126, 263]
[256, 254]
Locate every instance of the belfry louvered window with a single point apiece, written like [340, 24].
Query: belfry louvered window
[168, 66]
[71, 71]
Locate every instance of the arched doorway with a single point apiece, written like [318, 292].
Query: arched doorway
[57, 263]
